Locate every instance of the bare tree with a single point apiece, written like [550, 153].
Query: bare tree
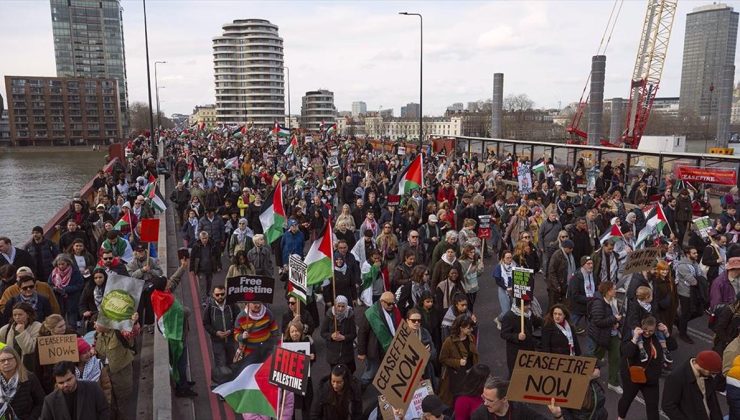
[139, 118]
[518, 103]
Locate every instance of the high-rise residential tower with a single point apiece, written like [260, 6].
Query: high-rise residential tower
[317, 106]
[88, 42]
[250, 84]
[709, 47]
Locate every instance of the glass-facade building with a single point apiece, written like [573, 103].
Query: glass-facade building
[88, 42]
[249, 78]
[709, 46]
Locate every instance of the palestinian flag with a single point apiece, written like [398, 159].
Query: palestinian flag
[410, 178]
[297, 292]
[653, 227]
[280, 131]
[614, 234]
[125, 220]
[170, 319]
[331, 129]
[242, 129]
[273, 216]
[231, 163]
[158, 203]
[251, 391]
[319, 260]
[188, 175]
[150, 189]
[292, 146]
[539, 168]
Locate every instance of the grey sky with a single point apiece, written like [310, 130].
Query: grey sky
[366, 51]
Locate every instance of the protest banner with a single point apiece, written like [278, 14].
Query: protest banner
[250, 289]
[297, 277]
[522, 281]
[641, 260]
[401, 367]
[57, 348]
[149, 230]
[120, 300]
[703, 226]
[289, 370]
[538, 377]
[717, 176]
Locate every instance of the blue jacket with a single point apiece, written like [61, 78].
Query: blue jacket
[292, 243]
[499, 277]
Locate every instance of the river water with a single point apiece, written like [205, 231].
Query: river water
[35, 185]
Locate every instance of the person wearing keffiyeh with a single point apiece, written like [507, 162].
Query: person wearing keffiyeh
[90, 368]
[21, 394]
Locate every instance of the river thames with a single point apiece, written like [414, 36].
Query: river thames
[35, 185]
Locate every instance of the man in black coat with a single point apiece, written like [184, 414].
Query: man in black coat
[43, 251]
[88, 397]
[690, 389]
[581, 288]
[12, 255]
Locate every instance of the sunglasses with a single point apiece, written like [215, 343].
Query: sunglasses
[389, 303]
[27, 287]
[415, 320]
[219, 294]
[291, 303]
[108, 259]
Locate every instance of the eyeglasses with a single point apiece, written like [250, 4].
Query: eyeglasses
[415, 320]
[219, 294]
[414, 236]
[7, 360]
[389, 303]
[28, 287]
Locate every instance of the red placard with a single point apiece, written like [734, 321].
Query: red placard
[484, 233]
[149, 230]
[707, 175]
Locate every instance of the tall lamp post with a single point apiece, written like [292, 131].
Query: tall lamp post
[288, 122]
[421, 67]
[148, 78]
[156, 92]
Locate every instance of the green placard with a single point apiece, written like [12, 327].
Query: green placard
[522, 280]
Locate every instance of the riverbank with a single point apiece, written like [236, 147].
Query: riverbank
[50, 149]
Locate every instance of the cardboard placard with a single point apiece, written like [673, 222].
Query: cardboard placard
[401, 367]
[538, 377]
[333, 161]
[149, 230]
[250, 289]
[522, 281]
[484, 221]
[641, 260]
[703, 225]
[57, 348]
[297, 274]
[289, 370]
[414, 411]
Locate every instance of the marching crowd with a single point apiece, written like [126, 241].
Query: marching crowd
[420, 257]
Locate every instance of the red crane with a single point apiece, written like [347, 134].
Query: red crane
[651, 53]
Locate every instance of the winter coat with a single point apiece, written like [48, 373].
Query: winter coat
[90, 404]
[601, 322]
[557, 272]
[215, 319]
[28, 399]
[43, 253]
[653, 367]
[188, 232]
[323, 407]
[684, 213]
[339, 352]
[721, 291]
[577, 292]
[686, 273]
[683, 400]
[22, 259]
[442, 270]
[309, 325]
[344, 286]
[453, 349]
[262, 260]
[548, 235]
[510, 329]
[554, 341]
[292, 243]
[69, 296]
[215, 228]
[198, 251]
[712, 259]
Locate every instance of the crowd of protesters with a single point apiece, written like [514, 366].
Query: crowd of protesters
[416, 258]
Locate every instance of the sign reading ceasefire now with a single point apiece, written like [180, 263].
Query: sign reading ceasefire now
[539, 377]
[57, 348]
[401, 367]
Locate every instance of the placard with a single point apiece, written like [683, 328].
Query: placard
[522, 281]
[333, 161]
[484, 233]
[414, 411]
[250, 289]
[289, 370]
[57, 348]
[538, 377]
[703, 226]
[641, 260]
[401, 150]
[484, 221]
[149, 230]
[120, 301]
[402, 367]
[297, 276]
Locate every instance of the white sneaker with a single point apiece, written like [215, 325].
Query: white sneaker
[498, 323]
[616, 388]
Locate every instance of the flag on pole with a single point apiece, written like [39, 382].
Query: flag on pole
[411, 177]
[251, 391]
[539, 168]
[614, 234]
[320, 256]
[280, 131]
[273, 216]
[187, 176]
[292, 146]
[332, 129]
[170, 319]
[125, 220]
[654, 226]
[158, 203]
[231, 163]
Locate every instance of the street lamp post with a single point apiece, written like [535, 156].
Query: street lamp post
[421, 67]
[288, 122]
[156, 92]
[148, 79]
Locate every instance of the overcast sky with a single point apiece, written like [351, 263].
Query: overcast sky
[365, 51]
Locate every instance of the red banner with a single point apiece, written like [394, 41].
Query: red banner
[707, 175]
[149, 230]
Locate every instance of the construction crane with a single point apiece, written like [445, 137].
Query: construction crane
[651, 53]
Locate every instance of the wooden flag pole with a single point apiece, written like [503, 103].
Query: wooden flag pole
[521, 317]
[282, 405]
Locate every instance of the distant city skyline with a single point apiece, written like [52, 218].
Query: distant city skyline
[371, 54]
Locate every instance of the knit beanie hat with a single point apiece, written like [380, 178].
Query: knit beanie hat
[710, 361]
